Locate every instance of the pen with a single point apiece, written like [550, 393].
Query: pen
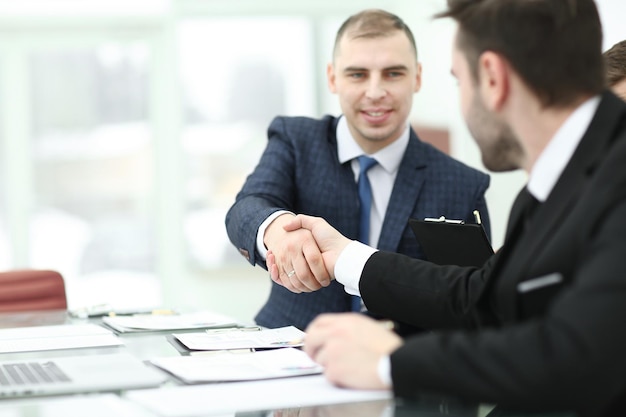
[160, 312]
[94, 313]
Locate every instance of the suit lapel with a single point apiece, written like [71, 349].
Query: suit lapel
[404, 195]
[526, 246]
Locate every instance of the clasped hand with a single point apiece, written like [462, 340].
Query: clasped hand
[349, 346]
[302, 252]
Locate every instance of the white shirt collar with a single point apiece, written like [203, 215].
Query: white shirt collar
[559, 151]
[389, 157]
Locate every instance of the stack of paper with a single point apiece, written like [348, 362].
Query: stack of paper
[25, 339]
[161, 322]
[227, 366]
[242, 339]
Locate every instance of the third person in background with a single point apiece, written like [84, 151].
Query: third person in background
[615, 67]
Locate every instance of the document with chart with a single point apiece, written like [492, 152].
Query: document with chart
[242, 338]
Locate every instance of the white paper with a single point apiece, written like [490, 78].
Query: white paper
[157, 322]
[242, 339]
[227, 366]
[231, 397]
[26, 339]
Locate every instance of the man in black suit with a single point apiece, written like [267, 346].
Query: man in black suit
[542, 325]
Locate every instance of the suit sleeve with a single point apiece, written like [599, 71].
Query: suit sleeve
[570, 356]
[270, 187]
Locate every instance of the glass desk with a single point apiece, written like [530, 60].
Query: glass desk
[156, 344]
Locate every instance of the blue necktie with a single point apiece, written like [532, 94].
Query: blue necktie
[365, 207]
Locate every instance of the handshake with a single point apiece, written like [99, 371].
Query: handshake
[302, 252]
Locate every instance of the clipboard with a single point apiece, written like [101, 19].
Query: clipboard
[452, 242]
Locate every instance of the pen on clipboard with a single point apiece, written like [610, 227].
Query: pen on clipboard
[443, 219]
[477, 217]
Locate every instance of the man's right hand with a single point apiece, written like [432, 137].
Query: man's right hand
[294, 259]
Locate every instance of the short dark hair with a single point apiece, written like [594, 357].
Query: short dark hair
[554, 45]
[615, 63]
[373, 23]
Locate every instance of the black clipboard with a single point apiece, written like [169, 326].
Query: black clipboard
[452, 242]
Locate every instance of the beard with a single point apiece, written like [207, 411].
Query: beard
[499, 147]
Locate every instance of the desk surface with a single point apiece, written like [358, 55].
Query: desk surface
[151, 345]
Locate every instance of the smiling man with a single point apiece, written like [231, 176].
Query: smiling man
[311, 166]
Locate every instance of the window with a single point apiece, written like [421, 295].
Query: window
[232, 89]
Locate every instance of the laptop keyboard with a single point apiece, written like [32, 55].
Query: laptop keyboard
[31, 373]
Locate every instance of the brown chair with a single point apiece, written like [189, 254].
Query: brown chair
[30, 290]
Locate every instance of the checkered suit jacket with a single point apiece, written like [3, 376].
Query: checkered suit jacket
[299, 171]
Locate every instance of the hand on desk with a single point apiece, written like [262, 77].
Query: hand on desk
[349, 347]
[321, 246]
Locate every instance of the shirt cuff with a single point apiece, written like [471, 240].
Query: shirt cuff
[350, 264]
[260, 246]
[384, 371]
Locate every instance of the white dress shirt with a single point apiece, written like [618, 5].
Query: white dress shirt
[552, 161]
[543, 176]
[381, 176]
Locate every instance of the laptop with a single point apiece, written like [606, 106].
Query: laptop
[76, 374]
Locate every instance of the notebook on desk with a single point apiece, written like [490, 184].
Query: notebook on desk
[75, 374]
[452, 242]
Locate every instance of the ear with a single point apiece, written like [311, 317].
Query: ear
[494, 79]
[418, 78]
[331, 78]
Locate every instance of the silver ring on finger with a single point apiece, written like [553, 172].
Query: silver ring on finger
[291, 273]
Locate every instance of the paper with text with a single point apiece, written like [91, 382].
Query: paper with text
[227, 366]
[27, 339]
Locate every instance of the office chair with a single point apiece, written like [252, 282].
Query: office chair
[30, 290]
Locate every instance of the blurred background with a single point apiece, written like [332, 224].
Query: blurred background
[127, 128]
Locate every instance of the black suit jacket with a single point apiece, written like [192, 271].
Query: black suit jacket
[543, 324]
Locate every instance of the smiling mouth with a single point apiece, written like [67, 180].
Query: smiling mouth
[375, 113]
